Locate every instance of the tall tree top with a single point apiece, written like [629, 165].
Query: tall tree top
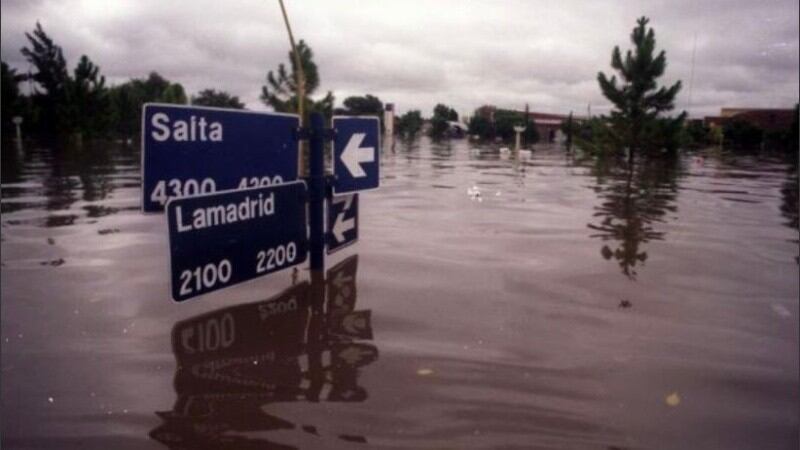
[639, 71]
[48, 58]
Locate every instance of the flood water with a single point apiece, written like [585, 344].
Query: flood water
[545, 301]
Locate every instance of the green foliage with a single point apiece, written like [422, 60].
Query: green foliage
[86, 109]
[281, 91]
[503, 126]
[635, 123]
[52, 80]
[695, 134]
[368, 105]
[409, 123]
[481, 126]
[220, 99]
[127, 99]
[441, 115]
[504, 122]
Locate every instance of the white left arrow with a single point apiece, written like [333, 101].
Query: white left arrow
[341, 226]
[354, 155]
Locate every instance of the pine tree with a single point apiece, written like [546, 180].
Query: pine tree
[52, 80]
[638, 101]
[280, 92]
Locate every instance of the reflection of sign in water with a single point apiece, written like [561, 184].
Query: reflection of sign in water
[342, 221]
[190, 150]
[356, 154]
[222, 239]
[234, 361]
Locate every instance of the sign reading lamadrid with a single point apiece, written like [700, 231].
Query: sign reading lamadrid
[218, 240]
[190, 150]
[226, 179]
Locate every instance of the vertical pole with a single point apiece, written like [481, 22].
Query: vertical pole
[316, 181]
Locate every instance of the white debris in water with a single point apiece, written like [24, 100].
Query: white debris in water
[50, 399]
[19, 336]
[474, 193]
[497, 194]
[124, 331]
[781, 310]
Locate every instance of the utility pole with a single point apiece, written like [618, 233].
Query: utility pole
[301, 94]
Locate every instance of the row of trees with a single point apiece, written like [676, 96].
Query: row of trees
[78, 103]
[501, 125]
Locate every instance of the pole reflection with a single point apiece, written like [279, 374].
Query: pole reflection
[306, 344]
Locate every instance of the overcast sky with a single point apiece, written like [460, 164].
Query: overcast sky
[419, 53]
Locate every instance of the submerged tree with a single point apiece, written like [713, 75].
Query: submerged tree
[281, 89]
[442, 114]
[87, 104]
[638, 101]
[409, 123]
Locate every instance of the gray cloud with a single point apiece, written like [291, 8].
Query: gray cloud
[416, 54]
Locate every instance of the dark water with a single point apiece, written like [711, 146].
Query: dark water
[545, 301]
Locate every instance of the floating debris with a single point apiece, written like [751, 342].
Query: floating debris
[781, 310]
[673, 399]
[474, 193]
[50, 399]
[108, 231]
[625, 303]
[51, 241]
[54, 263]
[424, 372]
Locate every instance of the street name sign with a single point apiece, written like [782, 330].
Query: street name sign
[342, 221]
[218, 240]
[356, 154]
[190, 150]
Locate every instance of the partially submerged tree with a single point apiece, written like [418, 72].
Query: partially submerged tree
[220, 99]
[409, 123]
[281, 90]
[87, 105]
[635, 122]
[127, 100]
[442, 114]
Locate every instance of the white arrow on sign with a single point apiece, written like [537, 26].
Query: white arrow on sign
[342, 226]
[354, 154]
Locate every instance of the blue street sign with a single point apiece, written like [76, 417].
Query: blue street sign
[342, 221]
[218, 240]
[190, 150]
[356, 154]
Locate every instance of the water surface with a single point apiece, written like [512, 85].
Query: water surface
[548, 300]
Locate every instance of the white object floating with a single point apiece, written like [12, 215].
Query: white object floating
[474, 193]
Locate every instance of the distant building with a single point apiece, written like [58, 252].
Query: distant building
[767, 119]
[547, 125]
